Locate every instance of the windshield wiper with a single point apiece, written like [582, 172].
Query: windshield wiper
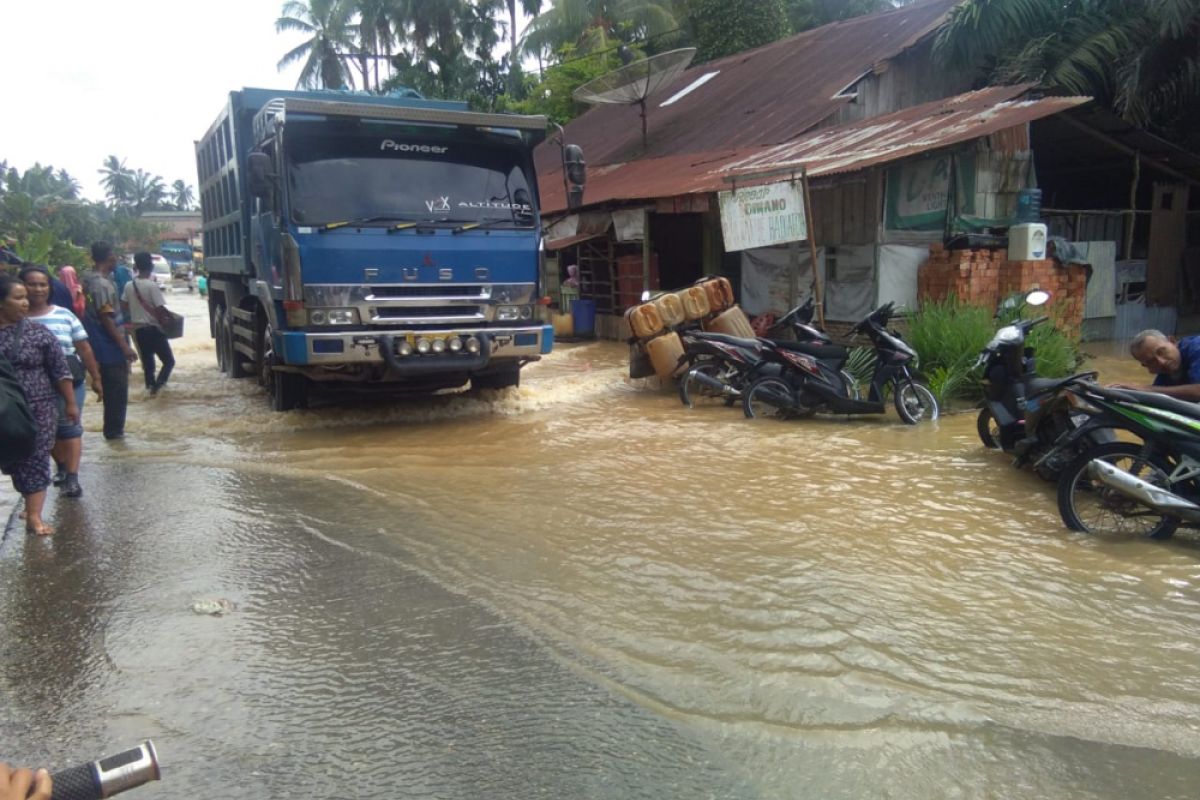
[328, 226]
[488, 223]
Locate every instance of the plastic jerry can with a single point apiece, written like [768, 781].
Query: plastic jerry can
[733, 322]
[695, 302]
[665, 352]
[644, 320]
[720, 293]
[670, 309]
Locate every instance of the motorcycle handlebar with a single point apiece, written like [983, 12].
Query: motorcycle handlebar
[107, 776]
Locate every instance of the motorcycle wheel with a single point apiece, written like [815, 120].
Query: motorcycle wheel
[1102, 511]
[692, 391]
[914, 402]
[768, 398]
[988, 429]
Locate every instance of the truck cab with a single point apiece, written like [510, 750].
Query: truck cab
[380, 243]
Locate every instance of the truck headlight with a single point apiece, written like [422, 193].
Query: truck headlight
[513, 313]
[439, 345]
[333, 316]
[423, 345]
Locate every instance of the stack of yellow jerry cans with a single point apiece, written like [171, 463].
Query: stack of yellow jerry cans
[708, 303]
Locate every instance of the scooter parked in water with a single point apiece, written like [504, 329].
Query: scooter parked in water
[721, 366]
[1023, 414]
[813, 378]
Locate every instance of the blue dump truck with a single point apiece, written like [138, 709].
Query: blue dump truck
[373, 242]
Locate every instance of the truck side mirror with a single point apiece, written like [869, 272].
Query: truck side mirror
[258, 174]
[575, 169]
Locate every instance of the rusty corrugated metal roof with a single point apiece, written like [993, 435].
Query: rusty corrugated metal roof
[767, 95]
[846, 148]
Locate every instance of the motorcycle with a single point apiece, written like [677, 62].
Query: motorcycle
[1025, 415]
[813, 378]
[719, 366]
[1148, 488]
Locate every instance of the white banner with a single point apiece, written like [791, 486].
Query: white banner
[763, 215]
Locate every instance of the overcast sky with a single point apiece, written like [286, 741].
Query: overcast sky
[138, 79]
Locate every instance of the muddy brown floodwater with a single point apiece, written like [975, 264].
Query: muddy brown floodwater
[582, 589]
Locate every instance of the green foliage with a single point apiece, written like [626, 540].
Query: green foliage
[39, 212]
[949, 335]
[552, 94]
[1140, 58]
[724, 27]
[861, 365]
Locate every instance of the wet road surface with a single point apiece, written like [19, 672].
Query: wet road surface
[582, 589]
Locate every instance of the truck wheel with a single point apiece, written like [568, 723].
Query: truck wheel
[502, 379]
[287, 390]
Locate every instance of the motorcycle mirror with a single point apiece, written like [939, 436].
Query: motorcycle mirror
[1038, 297]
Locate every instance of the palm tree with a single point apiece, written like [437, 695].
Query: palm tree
[530, 7]
[592, 25]
[118, 180]
[327, 23]
[148, 191]
[377, 27]
[182, 195]
[1142, 59]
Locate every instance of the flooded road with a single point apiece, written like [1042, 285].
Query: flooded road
[582, 589]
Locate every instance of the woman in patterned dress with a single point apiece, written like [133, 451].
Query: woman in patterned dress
[42, 370]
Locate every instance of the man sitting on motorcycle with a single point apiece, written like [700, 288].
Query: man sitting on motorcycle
[1175, 365]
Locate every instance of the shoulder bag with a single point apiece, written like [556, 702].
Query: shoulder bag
[18, 429]
[170, 322]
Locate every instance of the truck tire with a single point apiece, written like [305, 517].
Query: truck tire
[286, 390]
[501, 379]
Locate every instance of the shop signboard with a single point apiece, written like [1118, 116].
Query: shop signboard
[761, 216]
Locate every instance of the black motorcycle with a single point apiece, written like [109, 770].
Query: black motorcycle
[719, 366]
[1025, 415]
[813, 378]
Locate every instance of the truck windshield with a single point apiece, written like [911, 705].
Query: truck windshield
[336, 176]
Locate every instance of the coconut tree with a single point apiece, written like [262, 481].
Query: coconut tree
[376, 33]
[148, 191]
[1142, 59]
[592, 25]
[118, 180]
[327, 24]
[182, 195]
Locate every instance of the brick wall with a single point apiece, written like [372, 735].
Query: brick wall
[984, 277]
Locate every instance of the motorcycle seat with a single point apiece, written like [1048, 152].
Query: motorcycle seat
[819, 351]
[1040, 385]
[1156, 400]
[724, 338]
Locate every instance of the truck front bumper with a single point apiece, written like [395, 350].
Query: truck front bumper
[301, 348]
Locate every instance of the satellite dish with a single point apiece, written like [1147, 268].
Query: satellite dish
[633, 83]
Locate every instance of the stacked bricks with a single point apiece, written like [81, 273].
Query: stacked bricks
[972, 275]
[984, 277]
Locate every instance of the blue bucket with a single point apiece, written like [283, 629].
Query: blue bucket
[1029, 205]
[583, 312]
